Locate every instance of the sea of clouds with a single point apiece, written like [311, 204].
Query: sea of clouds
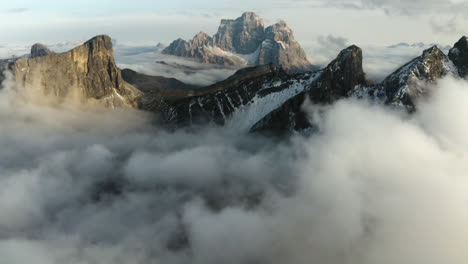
[373, 185]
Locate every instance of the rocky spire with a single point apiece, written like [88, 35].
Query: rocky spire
[459, 56]
[40, 50]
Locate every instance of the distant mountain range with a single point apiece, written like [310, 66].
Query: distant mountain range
[245, 42]
[264, 98]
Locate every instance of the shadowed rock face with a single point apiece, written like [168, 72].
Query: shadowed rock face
[266, 97]
[148, 84]
[334, 82]
[245, 42]
[459, 55]
[40, 50]
[87, 72]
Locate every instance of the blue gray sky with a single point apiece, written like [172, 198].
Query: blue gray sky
[152, 21]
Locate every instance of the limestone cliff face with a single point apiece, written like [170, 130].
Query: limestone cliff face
[201, 49]
[281, 48]
[245, 42]
[242, 35]
[88, 72]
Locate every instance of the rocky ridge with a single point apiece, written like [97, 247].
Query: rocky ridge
[271, 100]
[88, 73]
[245, 41]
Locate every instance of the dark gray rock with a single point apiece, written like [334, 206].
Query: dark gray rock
[148, 84]
[40, 50]
[459, 55]
[266, 97]
[341, 76]
[88, 73]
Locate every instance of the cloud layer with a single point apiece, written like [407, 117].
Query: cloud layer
[98, 186]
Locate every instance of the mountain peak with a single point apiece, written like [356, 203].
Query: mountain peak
[88, 71]
[245, 35]
[434, 50]
[459, 56]
[100, 42]
[242, 35]
[280, 32]
[250, 16]
[40, 50]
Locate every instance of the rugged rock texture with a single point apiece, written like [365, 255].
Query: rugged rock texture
[334, 82]
[410, 82]
[40, 50]
[459, 55]
[266, 97]
[87, 72]
[201, 49]
[280, 48]
[242, 35]
[245, 41]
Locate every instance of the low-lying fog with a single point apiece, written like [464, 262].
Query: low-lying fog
[99, 186]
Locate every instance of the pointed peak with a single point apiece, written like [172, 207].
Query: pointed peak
[352, 51]
[250, 16]
[40, 50]
[462, 43]
[201, 34]
[101, 41]
[432, 50]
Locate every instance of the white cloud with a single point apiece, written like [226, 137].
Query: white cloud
[99, 186]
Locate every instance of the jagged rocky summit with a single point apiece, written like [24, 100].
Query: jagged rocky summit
[459, 55]
[88, 72]
[40, 50]
[245, 42]
[267, 98]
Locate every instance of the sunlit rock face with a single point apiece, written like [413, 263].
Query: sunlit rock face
[245, 42]
[88, 73]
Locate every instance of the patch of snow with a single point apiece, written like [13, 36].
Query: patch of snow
[248, 115]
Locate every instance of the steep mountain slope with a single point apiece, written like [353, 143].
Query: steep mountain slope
[409, 83]
[252, 94]
[269, 99]
[245, 41]
[87, 72]
[459, 55]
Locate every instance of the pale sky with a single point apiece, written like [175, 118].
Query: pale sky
[361, 22]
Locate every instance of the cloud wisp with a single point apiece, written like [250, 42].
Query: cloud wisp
[98, 186]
